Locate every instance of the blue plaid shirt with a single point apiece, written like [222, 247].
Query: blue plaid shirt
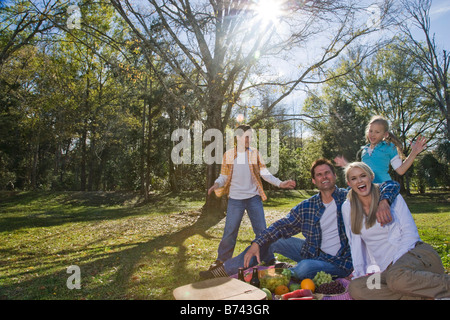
[305, 218]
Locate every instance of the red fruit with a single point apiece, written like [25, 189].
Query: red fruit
[300, 293]
[302, 298]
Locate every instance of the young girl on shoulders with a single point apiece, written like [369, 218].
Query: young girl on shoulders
[384, 149]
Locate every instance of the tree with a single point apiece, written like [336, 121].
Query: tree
[431, 172]
[338, 123]
[221, 49]
[16, 114]
[385, 85]
[22, 21]
[433, 62]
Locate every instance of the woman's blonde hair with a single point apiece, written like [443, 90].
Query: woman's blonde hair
[357, 215]
[390, 138]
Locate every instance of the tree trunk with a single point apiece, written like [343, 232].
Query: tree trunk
[92, 159]
[84, 137]
[142, 159]
[214, 206]
[34, 166]
[148, 151]
[83, 160]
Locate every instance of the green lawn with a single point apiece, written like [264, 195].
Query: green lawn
[129, 250]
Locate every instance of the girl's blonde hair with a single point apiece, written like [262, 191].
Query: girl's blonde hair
[390, 138]
[357, 214]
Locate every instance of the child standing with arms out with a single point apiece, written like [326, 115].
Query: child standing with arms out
[240, 179]
[384, 148]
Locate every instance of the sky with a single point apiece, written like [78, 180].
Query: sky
[440, 22]
[440, 27]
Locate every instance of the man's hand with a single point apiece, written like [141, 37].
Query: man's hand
[384, 212]
[253, 251]
[288, 184]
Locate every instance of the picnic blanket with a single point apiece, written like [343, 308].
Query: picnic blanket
[342, 296]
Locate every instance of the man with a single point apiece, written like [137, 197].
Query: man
[319, 219]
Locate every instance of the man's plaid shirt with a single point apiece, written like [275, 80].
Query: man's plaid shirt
[305, 218]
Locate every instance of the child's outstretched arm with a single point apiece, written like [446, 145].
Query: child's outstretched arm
[341, 161]
[417, 147]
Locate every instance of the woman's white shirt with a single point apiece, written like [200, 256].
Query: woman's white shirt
[381, 245]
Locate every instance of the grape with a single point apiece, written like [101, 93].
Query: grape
[321, 278]
[333, 287]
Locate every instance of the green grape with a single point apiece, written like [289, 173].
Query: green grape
[321, 277]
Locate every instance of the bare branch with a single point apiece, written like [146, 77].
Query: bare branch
[434, 65]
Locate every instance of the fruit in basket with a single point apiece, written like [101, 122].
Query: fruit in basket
[287, 273]
[281, 289]
[268, 293]
[272, 278]
[308, 284]
[300, 294]
[333, 287]
[322, 277]
[294, 286]
[302, 298]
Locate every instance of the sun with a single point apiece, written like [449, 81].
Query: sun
[268, 10]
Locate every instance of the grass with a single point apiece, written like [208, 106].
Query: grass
[130, 250]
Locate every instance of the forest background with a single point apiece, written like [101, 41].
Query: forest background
[91, 92]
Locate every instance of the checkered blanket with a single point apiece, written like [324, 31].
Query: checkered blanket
[342, 296]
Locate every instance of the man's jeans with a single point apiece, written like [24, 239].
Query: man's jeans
[235, 212]
[289, 248]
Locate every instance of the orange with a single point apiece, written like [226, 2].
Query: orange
[281, 289]
[308, 284]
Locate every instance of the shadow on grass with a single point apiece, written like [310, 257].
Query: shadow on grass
[44, 209]
[46, 272]
[124, 261]
[421, 203]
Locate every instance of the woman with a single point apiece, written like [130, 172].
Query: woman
[408, 268]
